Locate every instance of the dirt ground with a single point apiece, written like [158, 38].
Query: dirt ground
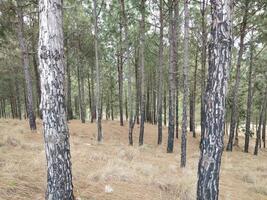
[133, 173]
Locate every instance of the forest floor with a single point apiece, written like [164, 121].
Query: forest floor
[133, 173]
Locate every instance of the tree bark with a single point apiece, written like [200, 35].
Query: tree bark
[172, 75]
[26, 65]
[98, 90]
[212, 141]
[249, 100]
[142, 72]
[262, 112]
[120, 75]
[185, 78]
[129, 74]
[236, 86]
[52, 73]
[68, 96]
[193, 99]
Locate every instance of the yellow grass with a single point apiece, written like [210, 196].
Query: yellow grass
[146, 173]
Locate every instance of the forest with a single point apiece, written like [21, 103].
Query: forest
[133, 99]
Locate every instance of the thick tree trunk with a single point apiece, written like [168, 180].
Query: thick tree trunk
[171, 76]
[185, 78]
[52, 73]
[204, 35]
[98, 89]
[236, 86]
[142, 72]
[212, 141]
[26, 65]
[249, 101]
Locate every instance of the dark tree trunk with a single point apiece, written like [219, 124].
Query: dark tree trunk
[142, 72]
[204, 35]
[165, 107]
[262, 113]
[193, 99]
[264, 128]
[212, 141]
[98, 87]
[55, 129]
[80, 92]
[93, 106]
[129, 76]
[120, 76]
[185, 78]
[236, 86]
[68, 96]
[249, 101]
[236, 131]
[137, 85]
[26, 65]
[171, 77]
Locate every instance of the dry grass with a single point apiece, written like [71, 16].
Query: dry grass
[132, 172]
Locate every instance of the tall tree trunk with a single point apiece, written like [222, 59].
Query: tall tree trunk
[18, 98]
[185, 78]
[68, 96]
[236, 130]
[212, 141]
[262, 112]
[93, 106]
[171, 77]
[236, 86]
[249, 100]
[204, 35]
[98, 90]
[129, 74]
[165, 106]
[80, 92]
[26, 65]
[193, 99]
[120, 75]
[55, 128]
[264, 128]
[142, 72]
[175, 48]
[137, 83]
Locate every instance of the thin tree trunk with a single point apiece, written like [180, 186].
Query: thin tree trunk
[212, 142]
[137, 85]
[193, 99]
[129, 75]
[93, 106]
[26, 65]
[68, 96]
[264, 128]
[120, 75]
[185, 78]
[236, 130]
[165, 106]
[55, 128]
[98, 90]
[249, 100]
[236, 86]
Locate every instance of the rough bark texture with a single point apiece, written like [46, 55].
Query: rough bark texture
[236, 86]
[204, 35]
[142, 72]
[98, 89]
[52, 73]
[249, 101]
[185, 81]
[193, 99]
[212, 141]
[160, 74]
[26, 67]
[171, 77]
